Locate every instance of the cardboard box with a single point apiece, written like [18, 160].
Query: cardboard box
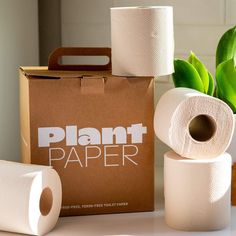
[95, 129]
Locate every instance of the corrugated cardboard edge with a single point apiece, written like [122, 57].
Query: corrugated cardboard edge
[24, 118]
[42, 71]
[33, 72]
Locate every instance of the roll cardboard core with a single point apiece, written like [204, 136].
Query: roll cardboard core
[46, 200]
[202, 128]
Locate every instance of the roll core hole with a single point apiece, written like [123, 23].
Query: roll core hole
[46, 200]
[202, 128]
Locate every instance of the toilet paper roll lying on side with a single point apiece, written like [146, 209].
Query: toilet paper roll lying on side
[197, 192]
[142, 41]
[30, 198]
[193, 124]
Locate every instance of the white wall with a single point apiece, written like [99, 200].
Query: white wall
[18, 46]
[198, 27]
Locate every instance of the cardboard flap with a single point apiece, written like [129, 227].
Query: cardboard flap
[43, 72]
[115, 83]
[92, 85]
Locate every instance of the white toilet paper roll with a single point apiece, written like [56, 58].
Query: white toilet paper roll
[142, 41]
[197, 192]
[30, 198]
[193, 124]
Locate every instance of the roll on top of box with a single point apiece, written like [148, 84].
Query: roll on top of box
[193, 124]
[142, 41]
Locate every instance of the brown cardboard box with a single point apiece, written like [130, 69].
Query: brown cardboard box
[95, 129]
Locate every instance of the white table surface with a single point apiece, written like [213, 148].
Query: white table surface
[129, 224]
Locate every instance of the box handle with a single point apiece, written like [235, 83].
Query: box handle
[53, 61]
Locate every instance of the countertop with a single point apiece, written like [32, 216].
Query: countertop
[129, 224]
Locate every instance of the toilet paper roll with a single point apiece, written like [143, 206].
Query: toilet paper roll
[142, 41]
[30, 198]
[197, 192]
[193, 124]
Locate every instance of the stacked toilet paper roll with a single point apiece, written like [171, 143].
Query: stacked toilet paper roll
[30, 199]
[197, 192]
[197, 175]
[193, 124]
[142, 41]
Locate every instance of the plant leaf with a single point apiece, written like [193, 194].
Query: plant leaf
[186, 75]
[226, 82]
[211, 84]
[217, 95]
[221, 97]
[201, 69]
[226, 48]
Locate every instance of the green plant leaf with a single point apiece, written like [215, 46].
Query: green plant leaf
[217, 95]
[226, 48]
[186, 75]
[226, 82]
[201, 69]
[221, 97]
[211, 84]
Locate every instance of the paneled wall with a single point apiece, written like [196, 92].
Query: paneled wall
[18, 46]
